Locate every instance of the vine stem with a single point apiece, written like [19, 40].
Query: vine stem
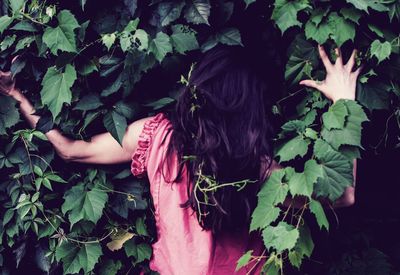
[27, 16]
[258, 259]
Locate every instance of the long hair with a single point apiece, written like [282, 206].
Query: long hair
[222, 132]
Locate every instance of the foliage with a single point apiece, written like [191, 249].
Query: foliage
[86, 66]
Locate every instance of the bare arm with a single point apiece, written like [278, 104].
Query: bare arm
[102, 149]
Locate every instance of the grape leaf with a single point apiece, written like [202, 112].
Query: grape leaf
[297, 146]
[62, 37]
[365, 4]
[374, 95]
[116, 125]
[183, 39]
[335, 117]
[230, 36]
[9, 115]
[304, 247]
[319, 33]
[244, 260]
[350, 134]
[75, 258]
[303, 183]
[274, 190]
[381, 50]
[285, 13]
[198, 12]
[56, 88]
[337, 171]
[108, 39]
[160, 46]
[342, 30]
[110, 267]
[84, 205]
[318, 211]
[166, 13]
[280, 237]
[263, 215]
[5, 21]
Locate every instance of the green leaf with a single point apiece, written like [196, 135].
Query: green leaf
[337, 171]
[285, 13]
[263, 215]
[374, 95]
[297, 146]
[24, 26]
[116, 125]
[158, 104]
[166, 13]
[9, 115]
[350, 134]
[303, 183]
[365, 4]
[244, 260]
[303, 57]
[280, 237]
[304, 247]
[274, 190]
[143, 252]
[319, 33]
[75, 258]
[160, 46]
[108, 39]
[88, 102]
[351, 14]
[381, 50]
[84, 205]
[248, 2]
[62, 37]
[16, 5]
[110, 267]
[230, 36]
[335, 117]
[198, 12]
[56, 88]
[5, 21]
[342, 30]
[183, 39]
[318, 211]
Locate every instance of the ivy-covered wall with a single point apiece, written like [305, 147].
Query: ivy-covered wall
[93, 66]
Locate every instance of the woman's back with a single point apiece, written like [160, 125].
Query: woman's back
[183, 247]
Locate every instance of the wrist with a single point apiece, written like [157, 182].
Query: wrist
[17, 95]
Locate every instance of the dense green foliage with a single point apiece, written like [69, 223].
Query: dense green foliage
[90, 67]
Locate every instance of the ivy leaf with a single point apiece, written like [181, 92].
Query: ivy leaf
[335, 117]
[166, 13]
[303, 183]
[116, 125]
[304, 247]
[84, 205]
[318, 211]
[62, 37]
[350, 134]
[297, 146]
[365, 4]
[56, 88]
[230, 36]
[337, 171]
[75, 258]
[285, 13]
[244, 260]
[381, 50]
[280, 237]
[198, 12]
[160, 46]
[9, 115]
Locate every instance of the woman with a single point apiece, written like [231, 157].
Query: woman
[216, 141]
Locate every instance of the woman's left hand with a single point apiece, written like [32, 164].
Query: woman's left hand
[340, 81]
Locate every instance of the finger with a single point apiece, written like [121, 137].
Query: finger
[339, 59]
[356, 73]
[324, 58]
[311, 83]
[350, 64]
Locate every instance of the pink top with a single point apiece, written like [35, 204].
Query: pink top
[182, 246]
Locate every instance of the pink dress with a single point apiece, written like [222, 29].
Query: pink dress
[183, 247]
